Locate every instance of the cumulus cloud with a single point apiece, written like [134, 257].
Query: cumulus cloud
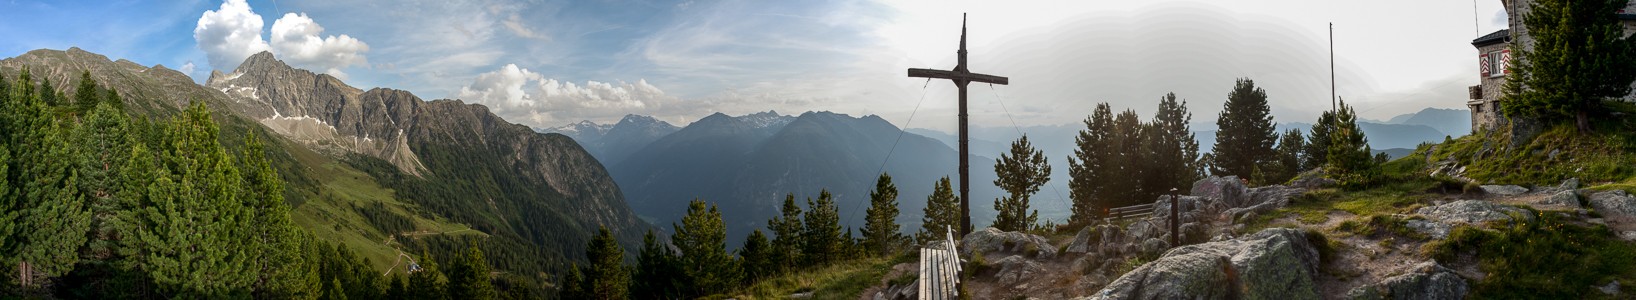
[230, 34]
[525, 96]
[187, 68]
[300, 42]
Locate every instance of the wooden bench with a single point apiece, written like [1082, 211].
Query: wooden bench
[1130, 212]
[940, 270]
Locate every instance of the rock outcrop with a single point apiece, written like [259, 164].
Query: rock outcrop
[992, 242]
[1616, 205]
[1427, 281]
[1441, 219]
[1277, 263]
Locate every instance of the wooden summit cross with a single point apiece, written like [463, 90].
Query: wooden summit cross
[961, 76]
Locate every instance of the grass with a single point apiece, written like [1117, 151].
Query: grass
[1546, 259]
[843, 280]
[330, 215]
[1314, 207]
[1606, 154]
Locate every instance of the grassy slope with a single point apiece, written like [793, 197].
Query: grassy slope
[842, 280]
[331, 216]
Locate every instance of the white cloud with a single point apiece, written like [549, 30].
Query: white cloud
[187, 68]
[300, 42]
[523, 96]
[230, 34]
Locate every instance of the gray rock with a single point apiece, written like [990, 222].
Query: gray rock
[1229, 190]
[1312, 180]
[1504, 190]
[1615, 204]
[991, 240]
[1627, 235]
[1565, 198]
[1082, 241]
[1152, 247]
[1612, 288]
[1435, 230]
[1015, 269]
[1276, 263]
[1193, 233]
[1427, 280]
[907, 291]
[1475, 212]
[1569, 185]
[1109, 240]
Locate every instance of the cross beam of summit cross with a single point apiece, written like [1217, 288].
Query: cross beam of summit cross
[962, 76]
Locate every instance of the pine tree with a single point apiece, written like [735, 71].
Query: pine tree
[787, 240]
[573, 284]
[104, 149]
[1132, 161]
[1173, 153]
[469, 276]
[1020, 173]
[1581, 56]
[657, 272]
[1349, 159]
[1316, 152]
[941, 214]
[87, 94]
[1091, 166]
[51, 212]
[1287, 160]
[1246, 134]
[605, 276]
[702, 239]
[757, 256]
[880, 230]
[821, 236]
[280, 271]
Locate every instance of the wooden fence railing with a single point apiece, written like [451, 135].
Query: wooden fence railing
[1129, 212]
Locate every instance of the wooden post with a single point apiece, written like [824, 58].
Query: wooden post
[1174, 219]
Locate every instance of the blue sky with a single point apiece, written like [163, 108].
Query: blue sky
[547, 63]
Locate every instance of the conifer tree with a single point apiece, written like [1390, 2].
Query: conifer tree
[104, 149]
[1316, 152]
[787, 230]
[87, 94]
[573, 284]
[1091, 166]
[1125, 186]
[605, 276]
[52, 215]
[1246, 131]
[657, 274]
[1020, 173]
[880, 231]
[822, 235]
[281, 273]
[1173, 152]
[757, 256]
[1349, 159]
[941, 214]
[1581, 56]
[1286, 162]
[469, 276]
[702, 240]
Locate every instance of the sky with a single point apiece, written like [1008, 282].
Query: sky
[546, 63]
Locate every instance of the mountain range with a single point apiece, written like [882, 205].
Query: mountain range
[448, 170]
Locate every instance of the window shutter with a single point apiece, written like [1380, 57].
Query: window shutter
[1505, 60]
[1483, 60]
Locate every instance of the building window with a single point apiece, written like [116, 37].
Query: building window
[1496, 64]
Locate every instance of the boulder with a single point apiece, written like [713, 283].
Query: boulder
[1311, 180]
[907, 291]
[1615, 204]
[1504, 190]
[1152, 247]
[1276, 263]
[1569, 185]
[1015, 269]
[990, 240]
[1476, 212]
[1228, 190]
[1193, 233]
[1566, 199]
[1427, 280]
[1082, 242]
